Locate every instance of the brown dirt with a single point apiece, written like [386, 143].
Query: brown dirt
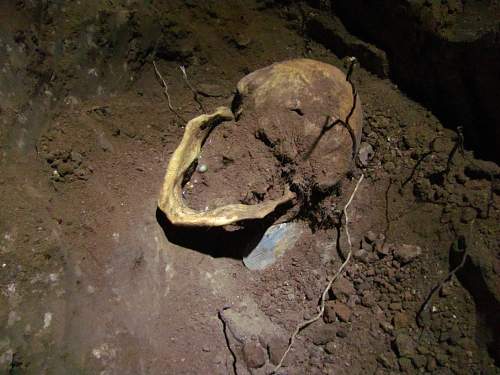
[90, 283]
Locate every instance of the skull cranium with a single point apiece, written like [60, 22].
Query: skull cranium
[289, 108]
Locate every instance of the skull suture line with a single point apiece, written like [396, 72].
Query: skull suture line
[287, 106]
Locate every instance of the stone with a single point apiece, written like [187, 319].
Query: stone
[342, 333]
[361, 255]
[468, 214]
[419, 361]
[431, 364]
[331, 347]
[404, 344]
[276, 346]
[342, 289]
[65, 169]
[76, 157]
[387, 327]
[405, 364]
[401, 320]
[368, 300]
[254, 354]
[343, 312]
[407, 253]
[383, 249]
[329, 314]
[365, 153]
[370, 237]
[386, 360]
[322, 333]
[395, 306]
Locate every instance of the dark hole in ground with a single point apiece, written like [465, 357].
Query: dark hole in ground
[487, 308]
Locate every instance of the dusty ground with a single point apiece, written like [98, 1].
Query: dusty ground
[90, 282]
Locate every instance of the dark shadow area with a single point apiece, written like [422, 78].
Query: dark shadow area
[219, 242]
[453, 76]
[487, 308]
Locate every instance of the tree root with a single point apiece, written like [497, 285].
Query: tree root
[321, 311]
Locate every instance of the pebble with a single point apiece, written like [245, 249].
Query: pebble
[407, 253]
[419, 360]
[361, 255]
[342, 289]
[343, 312]
[331, 347]
[254, 354]
[276, 346]
[405, 346]
[365, 153]
[329, 314]
[202, 168]
[387, 327]
[322, 333]
[370, 237]
[385, 361]
[405, 365]
[401, 320]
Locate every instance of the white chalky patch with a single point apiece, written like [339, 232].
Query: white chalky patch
[47, 319]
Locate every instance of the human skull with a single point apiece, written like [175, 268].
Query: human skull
[286, 110]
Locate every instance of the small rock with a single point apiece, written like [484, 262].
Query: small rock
[454, 336]
[419, 360]
[387, 327]
[365, 153]
[401, 320]
[385, 361]
[331, 347]
[322, 333]
[405, 346]
[343, 312]
[441, 359]
[361, 255]
[431, 364]
[407, 253]
[368, 300]
[341, 333]
[254, 354]
[329, 314]
[65, 169]
[370, 237]
[202, 168]
[405, 365]
[468, 214]
[395, 306]
[76, 157]
[383, 249]
[446, 289]
[342, 289]
[276, 346]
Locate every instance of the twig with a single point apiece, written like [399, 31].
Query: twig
[459, 146]
[160, 77]
[191, 87]
[439, 286]
[318, 316]
[417, 164]
[328, 125]
[226, 327]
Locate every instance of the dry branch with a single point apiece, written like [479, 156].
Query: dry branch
[167, 95]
